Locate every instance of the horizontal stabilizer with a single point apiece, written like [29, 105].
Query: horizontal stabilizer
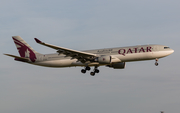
[18, 58]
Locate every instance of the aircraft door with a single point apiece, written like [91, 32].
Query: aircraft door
[155, 48]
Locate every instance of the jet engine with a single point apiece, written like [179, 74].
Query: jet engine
[120, 65]
[104, 59]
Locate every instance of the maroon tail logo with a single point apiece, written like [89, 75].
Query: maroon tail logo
[24, 50]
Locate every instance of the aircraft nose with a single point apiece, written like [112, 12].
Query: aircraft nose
[171, 51]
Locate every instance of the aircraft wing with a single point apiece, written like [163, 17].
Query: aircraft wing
[19, 58]
[81, 56]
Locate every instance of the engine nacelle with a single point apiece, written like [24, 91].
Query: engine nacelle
[120, 65]
[104, 59]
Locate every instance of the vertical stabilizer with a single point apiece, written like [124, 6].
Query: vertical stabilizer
[24, 49]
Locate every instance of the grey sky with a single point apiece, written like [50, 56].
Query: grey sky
[82, 25]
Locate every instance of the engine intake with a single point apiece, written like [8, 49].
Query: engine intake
[120, 65]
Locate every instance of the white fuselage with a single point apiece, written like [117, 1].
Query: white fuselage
[111, 57]
[121, 54]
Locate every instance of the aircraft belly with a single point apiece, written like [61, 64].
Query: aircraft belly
[56, 63]
[160, 54]
[75, 63]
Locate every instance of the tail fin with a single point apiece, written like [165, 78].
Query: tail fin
[24, 49]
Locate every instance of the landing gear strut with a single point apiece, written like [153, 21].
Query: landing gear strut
[156, 63]
[95, 71]
[86, 68]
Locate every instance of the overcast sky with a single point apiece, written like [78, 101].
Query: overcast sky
[90, 24]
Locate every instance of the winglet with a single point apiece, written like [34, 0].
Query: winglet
[37, 40]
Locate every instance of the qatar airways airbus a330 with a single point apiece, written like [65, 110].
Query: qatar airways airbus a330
[110, 57]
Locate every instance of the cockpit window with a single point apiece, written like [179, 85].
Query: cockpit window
[166, 47]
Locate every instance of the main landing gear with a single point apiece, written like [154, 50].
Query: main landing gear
[95, 71]
[91, 73]
[156, 63]
[86, 68]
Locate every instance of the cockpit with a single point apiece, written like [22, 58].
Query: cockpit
[166, 47]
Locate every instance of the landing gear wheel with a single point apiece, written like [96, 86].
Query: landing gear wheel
[96, 70]
[156, 64]
[88, 68]
[92, 73]
[83, 71]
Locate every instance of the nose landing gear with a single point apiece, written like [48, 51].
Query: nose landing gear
[156, 63]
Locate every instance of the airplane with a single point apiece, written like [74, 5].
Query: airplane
[111, 57]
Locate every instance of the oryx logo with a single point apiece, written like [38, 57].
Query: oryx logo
[24, 50]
